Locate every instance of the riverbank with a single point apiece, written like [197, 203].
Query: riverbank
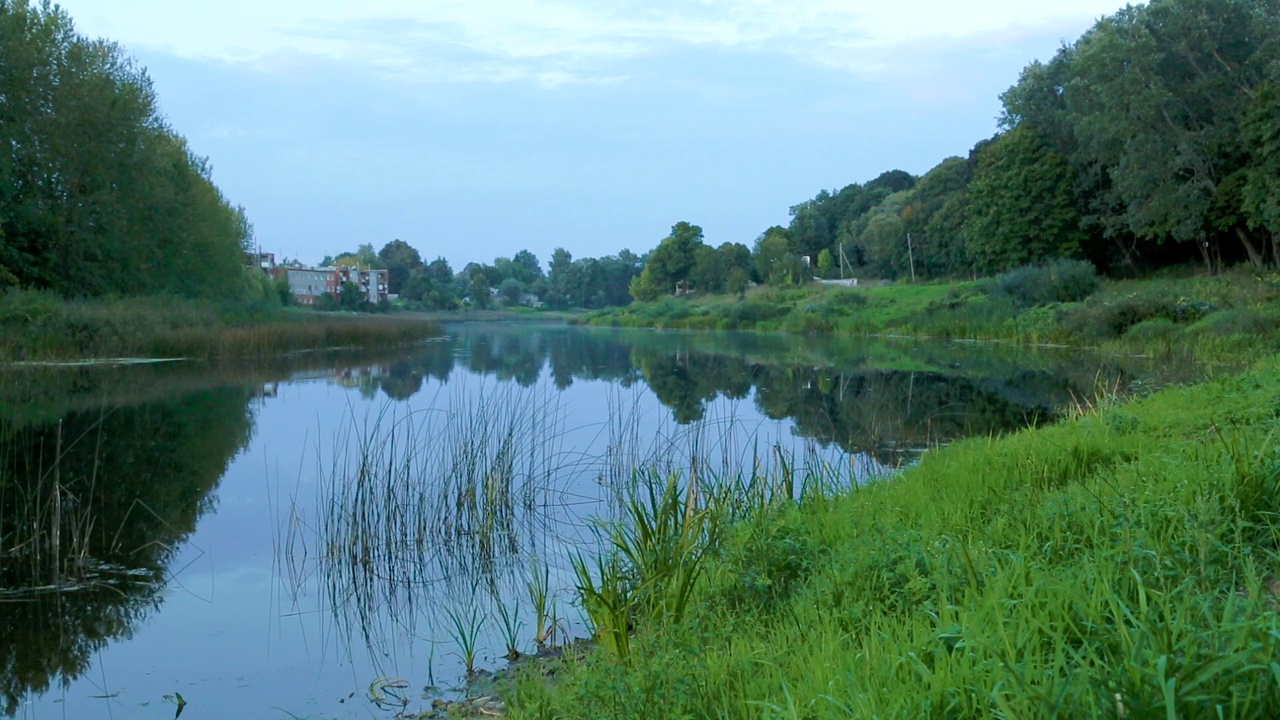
[513, 314]
[1227, 315]
[1120, 564]
[40, 327]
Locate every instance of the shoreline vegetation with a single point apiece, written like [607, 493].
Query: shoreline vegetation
[40, 327]
[1120, 564]
[1226, 316]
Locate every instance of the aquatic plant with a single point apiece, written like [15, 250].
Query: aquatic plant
[464, 628]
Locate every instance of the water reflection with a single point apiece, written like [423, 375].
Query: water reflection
[889, 399]
[431, 481]
[93, 507]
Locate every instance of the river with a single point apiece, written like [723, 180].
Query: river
[289, 539]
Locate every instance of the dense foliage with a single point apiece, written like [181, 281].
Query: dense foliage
[98, 196]
[1153, 139]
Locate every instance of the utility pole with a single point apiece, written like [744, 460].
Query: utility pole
[841, 246]
[911, 256]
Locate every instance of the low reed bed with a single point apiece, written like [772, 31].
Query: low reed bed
[37, 327]
[1121, 564]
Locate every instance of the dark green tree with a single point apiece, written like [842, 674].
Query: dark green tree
[1022, 207]
[401, 261]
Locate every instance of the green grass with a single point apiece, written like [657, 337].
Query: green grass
[42, 327]
[1233, 315]
[1121, 564]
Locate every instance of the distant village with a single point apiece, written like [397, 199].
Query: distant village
[308, 284]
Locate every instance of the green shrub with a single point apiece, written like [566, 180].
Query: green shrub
[1113, 318]
[749, 313]
[846, 298]
[1154, 331]
[1062, 281]
[1246, 321]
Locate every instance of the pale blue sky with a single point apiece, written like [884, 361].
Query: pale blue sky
[476, 128]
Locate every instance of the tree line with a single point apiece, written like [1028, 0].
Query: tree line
[98, 195]
[1153, 139]
[517, 280]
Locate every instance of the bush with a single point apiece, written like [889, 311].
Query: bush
[748, 313]
[1113, 318]
[846, 298]
[1062, 281]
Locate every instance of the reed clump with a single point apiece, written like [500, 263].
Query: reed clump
[1120, 564]
[37, 326]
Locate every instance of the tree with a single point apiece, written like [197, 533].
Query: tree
[401, 261]
[1260, 193]
[672, 262]
[478, 291]
[561, 261]
[826, 264]
[510, 290]
[737, 282]
[97, 195]
[1022, 204]
[772, 252]
[643, 287]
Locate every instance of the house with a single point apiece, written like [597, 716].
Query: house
[373, 282]
[308, 284]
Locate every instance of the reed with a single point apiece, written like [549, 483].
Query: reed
[511, 625]
[465, 627]
[41, 327]
[479, 492]
[539, 589]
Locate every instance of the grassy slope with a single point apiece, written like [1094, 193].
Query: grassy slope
[1226, 315]
[1120, 564]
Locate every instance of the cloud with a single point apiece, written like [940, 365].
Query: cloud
[555, 42]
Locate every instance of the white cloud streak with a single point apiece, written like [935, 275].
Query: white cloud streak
[553, 42]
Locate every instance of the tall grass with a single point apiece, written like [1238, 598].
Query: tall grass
[1121, 564]
[42, 327]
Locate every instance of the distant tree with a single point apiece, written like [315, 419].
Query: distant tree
[772, 252]
[557, 276]
[478, 290]
[737, 282]
[401, 261]
[1260, 191]
[350, 297]
[510, 290]
[673, 260]
[530, 268]
[363, 257]
[643, 287]
[280, 284]
[934, 215]
[826, 264]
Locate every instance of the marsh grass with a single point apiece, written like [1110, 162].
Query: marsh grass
[481, 492]
[51, 517]
[41, 327]
[465, 627]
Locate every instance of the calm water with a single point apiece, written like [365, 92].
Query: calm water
[269, 541]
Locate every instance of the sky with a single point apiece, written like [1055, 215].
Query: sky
[473, 129]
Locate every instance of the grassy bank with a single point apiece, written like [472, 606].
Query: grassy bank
[43, 327]
[1121, 564]
[1233, 313]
